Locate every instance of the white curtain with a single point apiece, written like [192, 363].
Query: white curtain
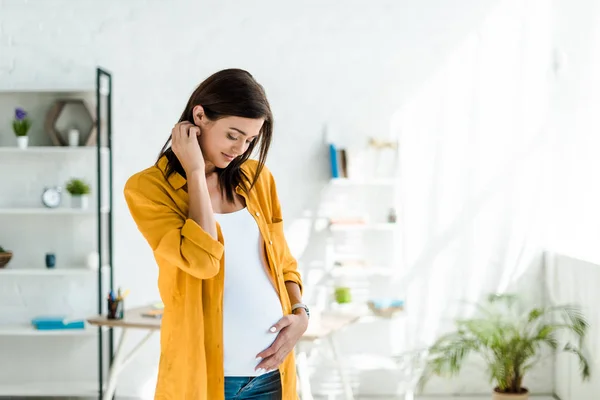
[474, 150]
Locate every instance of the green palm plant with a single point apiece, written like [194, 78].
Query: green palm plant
[510, 340]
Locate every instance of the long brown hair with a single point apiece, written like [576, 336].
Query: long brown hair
[230, 92]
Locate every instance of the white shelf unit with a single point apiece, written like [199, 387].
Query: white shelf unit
[362, 251]
[64, 362]
[359, 210]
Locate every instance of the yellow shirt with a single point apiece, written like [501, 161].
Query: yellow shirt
[191, 279]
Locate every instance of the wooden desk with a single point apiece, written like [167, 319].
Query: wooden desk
[327, 325]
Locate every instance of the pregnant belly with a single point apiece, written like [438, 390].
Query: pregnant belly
[246, 333]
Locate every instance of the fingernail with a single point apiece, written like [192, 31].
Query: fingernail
[257, 359]
[272, 329]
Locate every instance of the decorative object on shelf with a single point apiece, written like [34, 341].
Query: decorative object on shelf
[21, 125]
[50, 260]
[343, 295]
[73, 137]
[5, 257]
[79, 191]
[392, 216]
[52, 196]
[384, 155]
[93, 260]
[386, 308]
[115, 304]
[511, 339]
[88, 128]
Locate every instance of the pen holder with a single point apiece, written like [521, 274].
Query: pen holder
[115, 309]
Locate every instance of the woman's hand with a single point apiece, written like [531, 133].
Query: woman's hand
[184, 142]
[289, 330]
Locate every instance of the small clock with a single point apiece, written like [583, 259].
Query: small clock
[51, 197]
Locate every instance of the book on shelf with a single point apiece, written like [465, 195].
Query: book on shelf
[347, 221]
[338, 158]
[46, 322]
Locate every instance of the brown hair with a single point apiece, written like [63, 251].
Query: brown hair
[230, 92]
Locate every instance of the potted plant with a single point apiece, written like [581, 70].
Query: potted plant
[511, 341]
[5, 257]
[21, 125]
[79, 191]
[343, 295]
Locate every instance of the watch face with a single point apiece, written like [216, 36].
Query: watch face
[51, 197]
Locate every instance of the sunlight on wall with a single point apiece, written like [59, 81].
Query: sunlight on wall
[473, 146]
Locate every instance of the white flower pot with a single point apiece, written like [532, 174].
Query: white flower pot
[22, 141]
[80, 202]
[73, 138]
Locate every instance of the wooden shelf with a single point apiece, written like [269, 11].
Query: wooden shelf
[57, 271]
[48, 211]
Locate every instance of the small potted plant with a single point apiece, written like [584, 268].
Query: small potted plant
[343, 295]
[79, 191]
[5, 257]
[511, 341]
[21, 125]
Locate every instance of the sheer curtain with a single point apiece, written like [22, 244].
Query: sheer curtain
[474, 150]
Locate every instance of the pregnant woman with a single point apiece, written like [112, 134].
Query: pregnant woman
[211, 215]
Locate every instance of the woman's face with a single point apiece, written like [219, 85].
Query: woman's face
[225, 139]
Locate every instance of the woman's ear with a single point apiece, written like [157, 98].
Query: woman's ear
[199, 116]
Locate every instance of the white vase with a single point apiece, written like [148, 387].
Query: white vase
[80, 201]
[22, 141]
[73, 138]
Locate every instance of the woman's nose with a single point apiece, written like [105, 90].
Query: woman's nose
[238, 148]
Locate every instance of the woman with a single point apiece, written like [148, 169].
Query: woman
[232, 293]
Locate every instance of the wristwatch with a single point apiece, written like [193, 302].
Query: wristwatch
[301, 305]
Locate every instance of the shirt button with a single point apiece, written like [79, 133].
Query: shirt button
[270, 242]
[257, 214]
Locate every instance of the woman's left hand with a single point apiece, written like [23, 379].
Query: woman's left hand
[289, 330]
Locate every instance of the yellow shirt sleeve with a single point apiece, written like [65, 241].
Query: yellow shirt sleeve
[290, 264]
[174, 238]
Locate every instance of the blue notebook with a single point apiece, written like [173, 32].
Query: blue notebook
[56, 322]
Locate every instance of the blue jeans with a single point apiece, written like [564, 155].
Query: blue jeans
[263, 387]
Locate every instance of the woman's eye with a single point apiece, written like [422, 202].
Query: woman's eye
[229, 136]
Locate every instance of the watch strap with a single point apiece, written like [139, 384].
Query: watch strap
[301, 305]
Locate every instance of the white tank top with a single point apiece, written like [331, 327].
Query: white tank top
[251, 304]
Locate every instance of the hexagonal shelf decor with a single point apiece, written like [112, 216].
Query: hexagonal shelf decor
[67, 114]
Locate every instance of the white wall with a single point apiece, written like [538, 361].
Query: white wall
[574, 226]
[350, 65]
[574, 281]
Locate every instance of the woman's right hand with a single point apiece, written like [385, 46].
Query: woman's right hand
[184, 142]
